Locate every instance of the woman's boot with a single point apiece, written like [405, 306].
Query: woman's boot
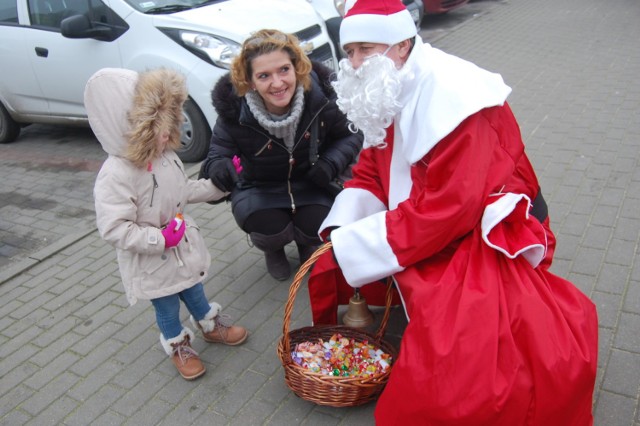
[273, 248]
[182, 354]
[217, 328]
[307, 244]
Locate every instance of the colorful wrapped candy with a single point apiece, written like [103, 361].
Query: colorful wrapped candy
[179, 220]
[340, 356]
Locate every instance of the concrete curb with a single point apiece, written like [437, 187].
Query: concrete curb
[61, 244]
[43, 254]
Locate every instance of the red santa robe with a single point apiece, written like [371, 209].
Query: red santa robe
[493, 338]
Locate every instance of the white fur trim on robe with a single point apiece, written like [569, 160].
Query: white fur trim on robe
[400, 182]
[362, 251]
[352, 204]
[439, 92]
[495, 213]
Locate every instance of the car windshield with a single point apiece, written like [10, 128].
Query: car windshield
[168, 6]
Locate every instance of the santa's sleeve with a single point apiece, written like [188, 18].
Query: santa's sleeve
[508, 228]
[450, 189]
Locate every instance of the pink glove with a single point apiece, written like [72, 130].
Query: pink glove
[236, 163]
[172, 236]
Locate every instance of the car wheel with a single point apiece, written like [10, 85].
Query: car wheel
[195, 135]
[9, 128]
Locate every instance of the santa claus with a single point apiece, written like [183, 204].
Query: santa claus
[444, 200]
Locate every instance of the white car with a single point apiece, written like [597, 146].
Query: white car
[50, 48]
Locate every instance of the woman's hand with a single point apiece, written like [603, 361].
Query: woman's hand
[223, 174]
[321, 173]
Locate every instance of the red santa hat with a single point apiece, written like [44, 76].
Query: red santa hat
[376, 21]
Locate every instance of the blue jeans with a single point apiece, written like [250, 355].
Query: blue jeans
[168, 309]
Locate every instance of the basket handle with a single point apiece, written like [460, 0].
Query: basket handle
[295, 285]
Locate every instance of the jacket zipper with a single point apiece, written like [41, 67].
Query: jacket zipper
[291, 159]
[290, 151]
[155, 186]
[269, 141]
[315, 117]
[293, 203]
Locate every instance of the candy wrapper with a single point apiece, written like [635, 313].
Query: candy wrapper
[340, 356]
[179, 220]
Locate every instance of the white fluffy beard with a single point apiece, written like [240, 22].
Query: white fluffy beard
[369, 96]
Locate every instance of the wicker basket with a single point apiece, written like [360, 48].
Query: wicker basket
[334, 391]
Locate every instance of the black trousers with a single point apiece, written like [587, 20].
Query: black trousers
[272, 221]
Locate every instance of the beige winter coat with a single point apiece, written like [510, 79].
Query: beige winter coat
[134, 203]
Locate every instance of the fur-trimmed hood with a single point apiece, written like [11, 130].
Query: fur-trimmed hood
[108, 97]
[131, 112]
[228, 104]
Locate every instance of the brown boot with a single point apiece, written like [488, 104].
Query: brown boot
[217, 328]
[183, 356]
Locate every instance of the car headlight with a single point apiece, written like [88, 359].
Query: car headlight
[218, 51]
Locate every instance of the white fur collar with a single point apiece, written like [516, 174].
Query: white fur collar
[439, 92]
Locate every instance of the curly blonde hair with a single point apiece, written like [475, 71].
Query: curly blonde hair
[157, 109]
[263, 42]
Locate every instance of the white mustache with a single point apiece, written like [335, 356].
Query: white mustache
[368, 96]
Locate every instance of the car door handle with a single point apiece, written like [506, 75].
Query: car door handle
[41, 51]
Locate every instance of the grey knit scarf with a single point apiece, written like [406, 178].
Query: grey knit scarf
[283, 127]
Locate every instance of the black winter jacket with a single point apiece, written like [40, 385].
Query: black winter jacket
[273, 177]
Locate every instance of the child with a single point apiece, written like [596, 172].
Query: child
[140, 195]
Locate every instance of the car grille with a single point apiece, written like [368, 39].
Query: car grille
[323, 54]
[308, 33]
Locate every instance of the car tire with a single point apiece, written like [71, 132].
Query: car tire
[195, 135]
[9, 128]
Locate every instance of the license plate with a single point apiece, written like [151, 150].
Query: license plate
[329, 63]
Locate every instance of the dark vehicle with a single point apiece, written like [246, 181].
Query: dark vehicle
[435, 7]
[332, 11]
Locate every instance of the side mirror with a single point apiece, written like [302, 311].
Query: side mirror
[79, 26]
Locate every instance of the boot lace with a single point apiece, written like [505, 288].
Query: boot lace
[223, 322]
[184, 351]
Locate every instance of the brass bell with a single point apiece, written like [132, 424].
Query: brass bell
[358, 314]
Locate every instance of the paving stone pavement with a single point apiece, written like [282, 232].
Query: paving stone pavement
[73, 352]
